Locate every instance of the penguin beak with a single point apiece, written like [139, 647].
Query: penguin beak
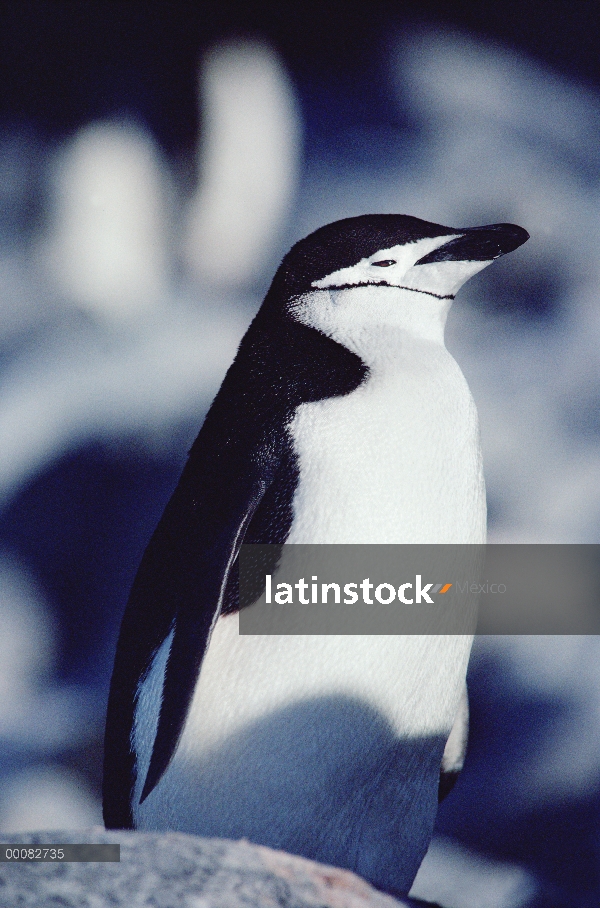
[478, 244]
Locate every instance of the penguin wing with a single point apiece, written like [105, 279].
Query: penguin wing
[179, 587]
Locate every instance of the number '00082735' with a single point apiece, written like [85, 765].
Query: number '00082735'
[35, 854]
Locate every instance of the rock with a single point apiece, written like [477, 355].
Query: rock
[172, 870]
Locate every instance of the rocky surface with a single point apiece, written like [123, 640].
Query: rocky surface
[173, 870]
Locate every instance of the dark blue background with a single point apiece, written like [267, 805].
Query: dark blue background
[81, 524]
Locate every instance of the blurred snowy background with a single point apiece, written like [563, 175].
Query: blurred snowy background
[156, 161]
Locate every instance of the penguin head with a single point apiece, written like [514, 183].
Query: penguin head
[396, 251]
[359, 276]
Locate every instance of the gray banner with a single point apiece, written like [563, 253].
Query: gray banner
[59, 854]
[420, 589]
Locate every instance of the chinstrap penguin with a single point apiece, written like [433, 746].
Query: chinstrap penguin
[343, 419]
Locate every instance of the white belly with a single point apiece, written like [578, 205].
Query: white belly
[325, 746]
[396, 461]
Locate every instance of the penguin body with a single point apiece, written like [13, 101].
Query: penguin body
[343, 419]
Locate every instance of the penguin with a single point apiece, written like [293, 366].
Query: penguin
[343, 419]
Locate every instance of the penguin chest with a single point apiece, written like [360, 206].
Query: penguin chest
[396, 461]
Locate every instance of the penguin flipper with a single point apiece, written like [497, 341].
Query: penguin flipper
[194, 620]
[179, 586]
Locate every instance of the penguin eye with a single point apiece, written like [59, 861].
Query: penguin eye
[385, 263]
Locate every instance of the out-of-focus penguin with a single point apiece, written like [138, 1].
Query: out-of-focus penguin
[343, 419]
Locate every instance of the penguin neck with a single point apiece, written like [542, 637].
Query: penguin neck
[370, 320]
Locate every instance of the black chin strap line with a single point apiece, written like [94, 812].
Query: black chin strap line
[438, 296]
